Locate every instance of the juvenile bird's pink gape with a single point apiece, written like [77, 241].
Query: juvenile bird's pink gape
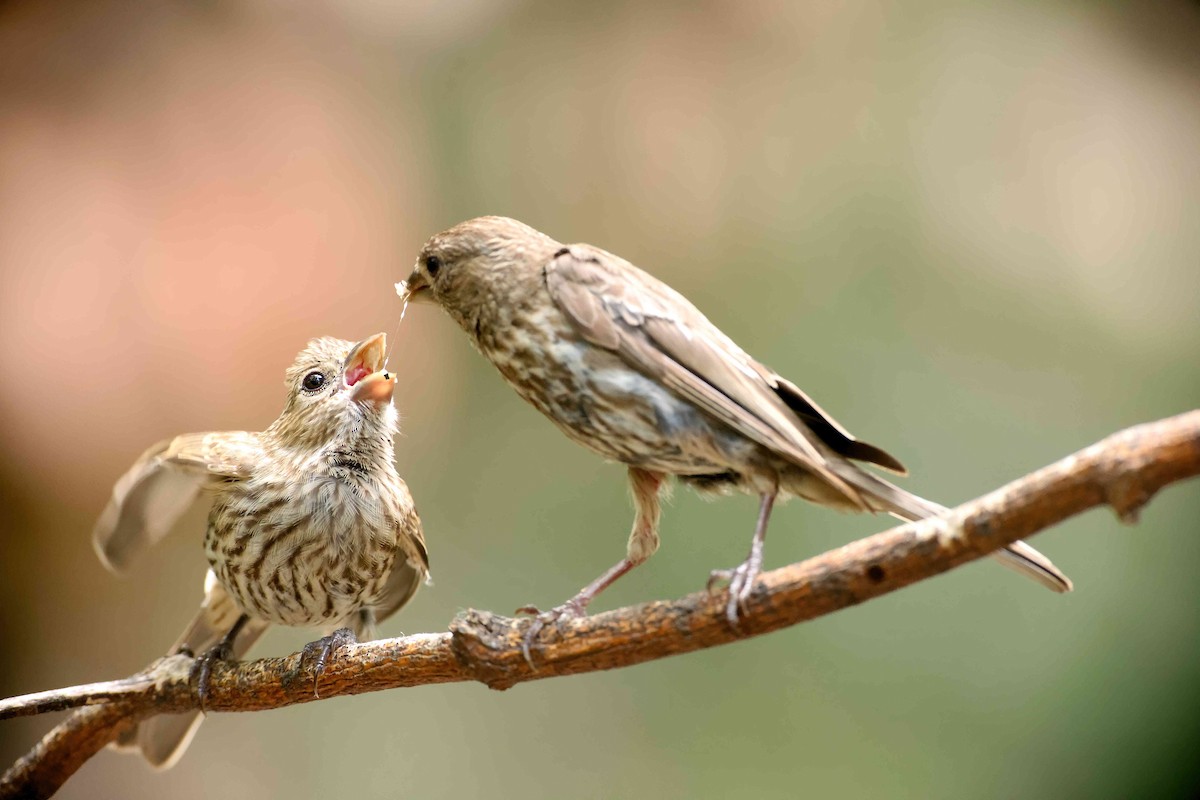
[356, 374]
[310, 525]
[627, 367]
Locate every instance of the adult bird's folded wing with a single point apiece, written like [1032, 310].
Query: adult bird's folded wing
[828, 429]
[660, 333]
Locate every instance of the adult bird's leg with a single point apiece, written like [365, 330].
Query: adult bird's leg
[643, 541]
[223, 649]
[741, 578]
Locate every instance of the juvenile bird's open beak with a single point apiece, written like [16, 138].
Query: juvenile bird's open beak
[414, 290]
[363, 372]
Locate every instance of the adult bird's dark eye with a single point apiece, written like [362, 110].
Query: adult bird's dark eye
[313, 381]
[432, 265]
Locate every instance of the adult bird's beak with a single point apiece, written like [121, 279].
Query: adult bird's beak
[414, 289]
[363, 372]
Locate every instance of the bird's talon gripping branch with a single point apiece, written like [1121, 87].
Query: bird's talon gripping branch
[322, 649]
[572, 609]
[202, 670]
[535, 627]
[741, 582]
[741, 578]
[221, 651]
[716, 578]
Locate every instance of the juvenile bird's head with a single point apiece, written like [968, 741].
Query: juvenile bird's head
[337, 390]
[477, 263]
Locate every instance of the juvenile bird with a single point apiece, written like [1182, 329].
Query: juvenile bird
[309, 523]
[627, 367]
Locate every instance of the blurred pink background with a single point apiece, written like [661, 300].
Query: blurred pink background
[971, 230]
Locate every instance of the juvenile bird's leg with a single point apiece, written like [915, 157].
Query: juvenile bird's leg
[643, 541]
[320, 651]
[223, 649]
[741, 578]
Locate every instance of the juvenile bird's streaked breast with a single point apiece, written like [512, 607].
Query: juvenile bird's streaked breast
[314, 555]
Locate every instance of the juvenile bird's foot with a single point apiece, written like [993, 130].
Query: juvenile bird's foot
[741, 581]
[572, 609]
[202, 669]
[222, 651]
[319, 652]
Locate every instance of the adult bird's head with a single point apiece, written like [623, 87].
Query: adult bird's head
[336, 389]
[482, 261]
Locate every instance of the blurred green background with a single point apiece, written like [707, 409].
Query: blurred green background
[970, 230]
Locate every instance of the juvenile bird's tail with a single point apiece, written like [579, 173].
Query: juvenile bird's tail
[164, 738]
[1017, 556]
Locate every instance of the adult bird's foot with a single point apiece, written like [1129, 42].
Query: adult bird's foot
[319, 652]
[741, 581]
[572, 609]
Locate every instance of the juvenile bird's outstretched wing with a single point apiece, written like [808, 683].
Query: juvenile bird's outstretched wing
[162, 484]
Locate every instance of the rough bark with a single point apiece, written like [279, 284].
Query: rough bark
[1123, 471]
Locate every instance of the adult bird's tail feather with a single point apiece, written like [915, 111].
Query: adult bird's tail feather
[1017, 556]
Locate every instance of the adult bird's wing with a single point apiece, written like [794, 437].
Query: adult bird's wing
[660, 333]
[657, 331]
[162, 484]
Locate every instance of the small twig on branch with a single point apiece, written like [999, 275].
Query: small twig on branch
[1123, 471]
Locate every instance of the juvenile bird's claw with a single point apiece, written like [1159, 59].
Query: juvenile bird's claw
[320, 651]
[222, 651]
[202, 669]
[572, 609]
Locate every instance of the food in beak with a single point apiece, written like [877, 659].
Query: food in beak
[414, 287]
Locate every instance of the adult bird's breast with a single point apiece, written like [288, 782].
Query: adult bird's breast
[612, 409]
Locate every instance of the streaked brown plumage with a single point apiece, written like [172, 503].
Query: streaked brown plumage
[310, 525]
[630, 369]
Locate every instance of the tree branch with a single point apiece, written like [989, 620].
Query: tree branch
[41, 771]
[1123, 471]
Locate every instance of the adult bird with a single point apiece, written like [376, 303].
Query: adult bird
[627, 367]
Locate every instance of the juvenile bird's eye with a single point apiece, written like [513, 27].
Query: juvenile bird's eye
[313, 381]
[432, 265]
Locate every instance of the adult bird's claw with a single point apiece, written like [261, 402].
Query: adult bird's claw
[572, 609]
[741, 581]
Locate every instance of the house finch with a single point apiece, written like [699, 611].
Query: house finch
[309, 525]
[630, 369]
